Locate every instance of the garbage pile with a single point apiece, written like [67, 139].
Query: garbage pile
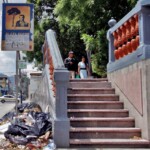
[29, 130]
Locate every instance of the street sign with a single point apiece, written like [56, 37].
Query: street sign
[22, 64]
[17, 27]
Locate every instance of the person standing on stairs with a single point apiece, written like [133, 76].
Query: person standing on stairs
[71, 64]
[83, 68]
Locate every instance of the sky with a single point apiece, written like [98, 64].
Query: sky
[8, 59]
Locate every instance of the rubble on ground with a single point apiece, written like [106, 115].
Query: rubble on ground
[31, 129]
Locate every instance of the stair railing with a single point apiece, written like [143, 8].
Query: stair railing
[129, 39]
[52, 91]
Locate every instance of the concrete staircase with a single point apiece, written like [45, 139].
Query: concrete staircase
[98, 119]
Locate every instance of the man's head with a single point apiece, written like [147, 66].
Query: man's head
[71, 54]
[21, 17]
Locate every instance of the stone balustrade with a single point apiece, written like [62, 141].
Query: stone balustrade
[129, 39]
[52, 91]
[126, 37]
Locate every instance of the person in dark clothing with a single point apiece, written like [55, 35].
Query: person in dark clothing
[71, 64]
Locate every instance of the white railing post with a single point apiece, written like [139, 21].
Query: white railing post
[61, 124]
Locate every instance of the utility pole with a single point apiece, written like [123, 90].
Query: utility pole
[17, 74]
[20, 81]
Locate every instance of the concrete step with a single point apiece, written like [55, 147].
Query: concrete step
[91, 97]
[102, 122]
[89, 80]
[91, 91]
[104, 133]
[118, 113]
[95, 105]
[109, 143]
[81, 84]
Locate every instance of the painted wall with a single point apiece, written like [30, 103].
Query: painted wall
[35, 80]
[133, 86]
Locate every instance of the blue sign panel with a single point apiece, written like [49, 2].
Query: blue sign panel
[17, 27]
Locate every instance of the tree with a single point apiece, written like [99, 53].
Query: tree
[43, 21]
[75, 22]
[13, 11]
[67, 39]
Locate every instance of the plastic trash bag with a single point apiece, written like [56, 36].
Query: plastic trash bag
[29, 106]
[19, 140]
[40, 126]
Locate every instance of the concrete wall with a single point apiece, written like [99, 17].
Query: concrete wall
[132, 84]
[43, 94]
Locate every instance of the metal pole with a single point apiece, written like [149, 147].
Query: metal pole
[20, 77]
[20, 81]
[17, 59]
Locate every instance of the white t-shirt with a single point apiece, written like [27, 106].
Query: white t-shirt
[81, 65]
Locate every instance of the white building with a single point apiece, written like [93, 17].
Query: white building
[35, 79]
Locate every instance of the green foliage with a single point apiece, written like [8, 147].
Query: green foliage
[79, 25]
[132, 2]
[90, 18]
[43, 21]
[68, 39]
[89, 41]
[39, 36]
[100, 70]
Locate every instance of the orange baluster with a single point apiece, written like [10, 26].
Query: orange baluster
[123, 28]
[137, 41]
[45, 54]
[128, 30]
[51, 77]
[119, 36]
[53, 83]
[121, 53]
[51, 67]
[116, 53]
[51, 72]
[49, 57]
[53, 88]
[124, 48]
[129, 47]
[136, 24]
[132, 23]
[134, 45]
[115, 34]
[50, 60]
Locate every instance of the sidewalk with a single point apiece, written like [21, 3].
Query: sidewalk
[5, 108]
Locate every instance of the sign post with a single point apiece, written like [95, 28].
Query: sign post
[17, 74]
[17, 31]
